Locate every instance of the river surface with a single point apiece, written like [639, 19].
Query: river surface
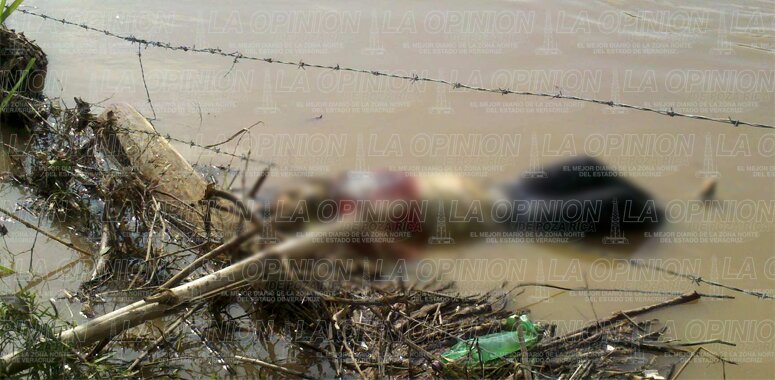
[696, 57]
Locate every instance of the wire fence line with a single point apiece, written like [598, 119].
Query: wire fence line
[191, 143]
[236, 56]
[697, 280]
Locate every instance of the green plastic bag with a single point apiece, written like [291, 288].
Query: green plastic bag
[493, 346]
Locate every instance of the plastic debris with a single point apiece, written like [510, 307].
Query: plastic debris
[493, 346]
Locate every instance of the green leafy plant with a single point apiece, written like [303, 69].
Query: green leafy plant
[7, 11]
[28, 326]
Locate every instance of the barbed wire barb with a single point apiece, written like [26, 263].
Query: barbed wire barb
[413, 77]
[697, 280]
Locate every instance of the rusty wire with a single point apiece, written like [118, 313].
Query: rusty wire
[236, 56]
[190, 142]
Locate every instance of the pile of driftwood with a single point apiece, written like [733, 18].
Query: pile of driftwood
[191, 252]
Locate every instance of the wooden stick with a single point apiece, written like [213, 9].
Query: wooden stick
[44, 232]
[113, 323]
[272, 366]
[170, 329]
[621, 315]
[103, 253]
[685, 363]
[526, 370]
[223, 248]
[260, 182]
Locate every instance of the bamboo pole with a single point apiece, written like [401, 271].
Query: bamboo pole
[251, 269]
[134, 142]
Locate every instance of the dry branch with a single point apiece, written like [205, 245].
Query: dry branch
[113, 323]
[620, 316]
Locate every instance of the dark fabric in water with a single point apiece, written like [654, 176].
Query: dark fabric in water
[579, 197]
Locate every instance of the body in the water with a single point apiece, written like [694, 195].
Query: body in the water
[581, 199]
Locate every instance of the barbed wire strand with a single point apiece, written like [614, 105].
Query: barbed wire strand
[236, 56]
[697, 280]
[190, 143]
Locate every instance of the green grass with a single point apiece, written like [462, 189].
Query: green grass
[18, 84]
[28, 326]
[4, 14]
[7, 11]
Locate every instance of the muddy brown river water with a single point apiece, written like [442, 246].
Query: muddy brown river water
[699, 57]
